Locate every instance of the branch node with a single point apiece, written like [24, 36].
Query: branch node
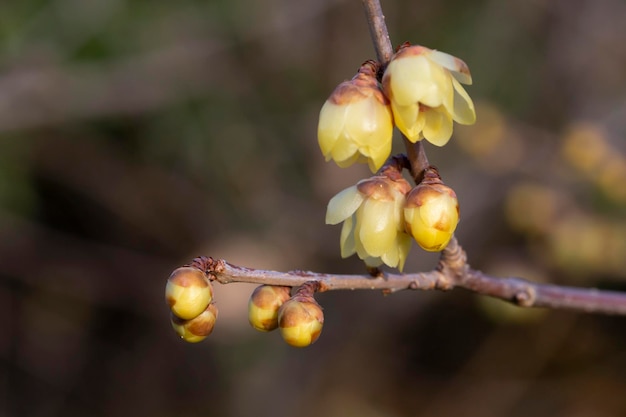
[525, 297]
[443, 283]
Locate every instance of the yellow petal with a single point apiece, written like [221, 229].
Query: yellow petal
[376, 228]
[464, 112]
[415, 79]
[330, 125]
[372, 262]
[404, 246]
[344, 152]
[440, 89]
[343, 205]
[347, 238]
[408, 121]
[457, 66]
[370, 125]
[438, 126]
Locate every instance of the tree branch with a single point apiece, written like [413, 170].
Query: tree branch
[451, 273]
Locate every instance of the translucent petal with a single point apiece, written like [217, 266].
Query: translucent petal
[464, 112]
[408, 121]
[391, 257]
[345, 163]
[347, 238]
[376, 228]
[378, 156]
[440, 89]
[368, 120]
[409, 79]
[372, 262]
[343, 205]
[331, 124]
[438, 127]
[370, 125]
[404, 246]
[457, 66]
[344, 149]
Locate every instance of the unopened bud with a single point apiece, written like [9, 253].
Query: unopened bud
[188, 292]
[264, 304]
[431, 213]
[198, 328]
[300, 321]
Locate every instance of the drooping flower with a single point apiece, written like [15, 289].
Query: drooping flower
[355, 123]
[431, 212]
[373, 222]
[424, 88]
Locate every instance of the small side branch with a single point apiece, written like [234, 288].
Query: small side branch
[226, 273]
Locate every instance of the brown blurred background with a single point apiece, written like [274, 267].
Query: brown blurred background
[136, 135]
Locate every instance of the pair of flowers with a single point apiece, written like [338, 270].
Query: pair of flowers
[421, 92]
[381, 214]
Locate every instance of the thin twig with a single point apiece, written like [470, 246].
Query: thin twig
[455, 274]
[226, 273]
[378, 31]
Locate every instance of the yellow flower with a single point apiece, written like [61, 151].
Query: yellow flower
[431, 214]
[355, 123]
[423, 86]
[373, 224]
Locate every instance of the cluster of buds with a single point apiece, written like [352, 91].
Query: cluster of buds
[382, 213]
[189, 295]
[421, 93]
[298, 318]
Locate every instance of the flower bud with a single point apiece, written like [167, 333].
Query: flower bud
[300, 320]
[198, 328]
[188, 292]
[355, 123]
[431, 214]
[264, 304]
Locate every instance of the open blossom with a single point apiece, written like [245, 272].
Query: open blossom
[355, 123]
[424, 88]
[373, 222]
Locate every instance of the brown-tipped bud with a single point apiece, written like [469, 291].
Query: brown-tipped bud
[198, 328]
[264, 304]
[300, 321]
[431, 214]
[188, 292]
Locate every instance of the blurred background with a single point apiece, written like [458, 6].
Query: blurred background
[136, 135]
